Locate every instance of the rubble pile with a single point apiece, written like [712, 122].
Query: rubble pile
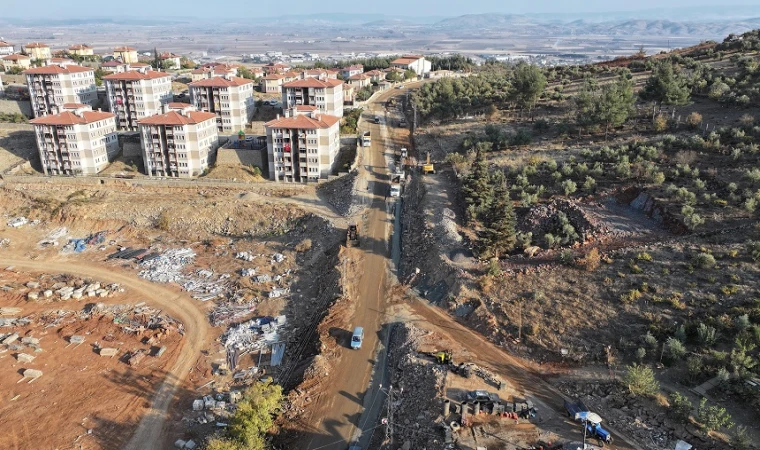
[417, 400]
[339, 194]
[167, 268]
[228, 312]
[542, 219]
[648, 425]
[253, 334]
[62, 287]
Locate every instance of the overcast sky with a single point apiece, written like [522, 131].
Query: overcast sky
[252, 8]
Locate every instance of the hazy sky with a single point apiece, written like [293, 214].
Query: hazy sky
[254, 8]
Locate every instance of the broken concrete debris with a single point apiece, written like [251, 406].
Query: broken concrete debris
[109, 352]
[253, 334]
[245, 256]
[168, 268]
[278, 258]
[24, 357]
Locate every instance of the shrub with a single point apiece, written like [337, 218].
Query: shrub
[741, 440]
[753, 250]
[589, 184]
[660, 123]
[706, 334]
[641, 353]
[524, 240]
[680, 407]
[644, 256]
[566, 256]
[742, 322]
[713, 417]
[641, 381]
[674, 349]
[694, 365]
[694, 119]
[590, 262]
[163, 222]
[704, 261]
[650, 340]
[631, 296]
[568, 187]
[253, 417]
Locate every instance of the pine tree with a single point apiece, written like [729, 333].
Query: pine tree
[156, 60]
[666, 85]
[499, 237]
[477, 189]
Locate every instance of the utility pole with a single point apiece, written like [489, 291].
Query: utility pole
[389, 423]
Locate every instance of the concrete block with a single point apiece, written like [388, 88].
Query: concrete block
[197, 405]
[111, 352]
[190, 445]
[160, 351]
[24, 358]
[10, 339]
[47, 293]
[33, 285]
[179, 443]
[76, 339]
[76, 295]
[34, 295]
[32, 373]
[30, 340]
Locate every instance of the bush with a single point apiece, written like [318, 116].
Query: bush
[694, 120]
[741, 440]
[753, 250]
[674, 349]
[590, 262]
[568, 187]
[706, 335]
[650, 341]
[660, 123]
[641, 353]
[641, 381]
[163, 222]
[254, 415]
[713, 417]
[644, 256]
[704, 261]
[680, 407]
[630, 296]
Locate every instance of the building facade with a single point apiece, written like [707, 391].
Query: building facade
[302, 146]
[38, 50]
[179, 143]
[6, 48]
[327, 95]
[50, 87]
[229, 98]
[81, 50]
[75, 141]
[125, 54]
[136, 94]
[350, 71]
[418, 63]
[16, 60]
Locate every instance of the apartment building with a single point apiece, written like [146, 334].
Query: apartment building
[125, 54]
[77, 140]
[229, 98]
[137, 94]
[50, 87]
[179, 143]
[349, 94]
[16, 60]
[375, 75]
[38, 50]
[414, 62]
[81, 50]
[114, 66]
[175, 61]
[272, 68]
[321, 74]
[303, 145]
[327, 95]
[213, 70]
[359, 80]
[272, 84]
[350, 71]
[6, 48]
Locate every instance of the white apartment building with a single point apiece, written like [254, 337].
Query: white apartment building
[137, 94]
[229, 98]
[38, 50]
[125, 54]
[6, 48]
[415, 62]
[179, 143]
[350, 71]
[50, 87]
[302, 146]
[327, 95]
[75, 141]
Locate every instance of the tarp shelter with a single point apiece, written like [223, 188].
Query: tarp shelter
[588, 416]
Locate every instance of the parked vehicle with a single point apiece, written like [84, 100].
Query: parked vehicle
[357, 338]
[573, 409]
[366, 139]
[482, 396]
[352, 235]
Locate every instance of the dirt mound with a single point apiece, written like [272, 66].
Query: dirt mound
[339, 194]
[542, 219]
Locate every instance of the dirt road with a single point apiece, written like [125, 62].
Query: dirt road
[337, 416]
[148, 435]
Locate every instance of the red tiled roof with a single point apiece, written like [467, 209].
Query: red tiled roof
[125, 49]
[175, 118]
[80, 47]
[274, 76]
[5, 44]
[221, 82]
[359, 76]
[138, 64]
[348, 87]
[55, 69]
[135, 75]
[313, 83]
[304, 122]
[74, 105]
[354, 67]
[69, 118]
[36, 45]
[403, 61]
[178, 105]
[306, 108]
[16, 57]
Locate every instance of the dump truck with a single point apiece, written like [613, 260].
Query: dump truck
[573, 409]
[366, 139]
[395, 190]
[352, 235]
[591, 421]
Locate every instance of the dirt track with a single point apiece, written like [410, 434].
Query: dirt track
[148, 435]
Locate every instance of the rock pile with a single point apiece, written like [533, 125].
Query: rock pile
[542, 219]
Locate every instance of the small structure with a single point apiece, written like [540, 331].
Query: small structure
[30, 373]
[110, 352]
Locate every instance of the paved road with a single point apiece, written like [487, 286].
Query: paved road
[337, 417]
[149, 434]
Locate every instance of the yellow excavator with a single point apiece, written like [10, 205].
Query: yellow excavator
[428, 167]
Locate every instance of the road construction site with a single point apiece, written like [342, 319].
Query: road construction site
[237, 287]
